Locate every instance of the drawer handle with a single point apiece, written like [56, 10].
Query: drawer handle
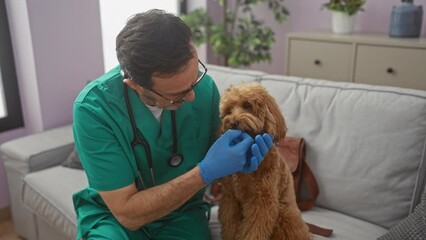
[390, 70]
[317, 62]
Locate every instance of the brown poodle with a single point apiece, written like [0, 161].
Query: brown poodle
[262, 204]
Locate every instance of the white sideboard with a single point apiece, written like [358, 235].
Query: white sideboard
[362, 58]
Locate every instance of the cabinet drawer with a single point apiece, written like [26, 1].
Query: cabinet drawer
[391, 66]
[321, 60]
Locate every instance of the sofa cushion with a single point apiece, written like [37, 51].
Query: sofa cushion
[365, 144]
[48, 194]
[73, 161]
[36, 150]
[224, 76]
[214, 224]
[344, 226]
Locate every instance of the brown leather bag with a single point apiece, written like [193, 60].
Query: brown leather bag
[292, 150]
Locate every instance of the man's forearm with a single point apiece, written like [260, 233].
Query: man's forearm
[151, 204]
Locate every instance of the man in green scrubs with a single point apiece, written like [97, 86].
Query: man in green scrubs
[174, 105]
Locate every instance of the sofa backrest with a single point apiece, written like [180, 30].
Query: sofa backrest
[225, 77]
[365, 144]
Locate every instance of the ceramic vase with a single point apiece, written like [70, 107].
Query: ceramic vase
[406, 20]
[342, 23]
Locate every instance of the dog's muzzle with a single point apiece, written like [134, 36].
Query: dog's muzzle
[235, 125]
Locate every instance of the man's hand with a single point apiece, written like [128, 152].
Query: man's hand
[234, 151]
[258, 152]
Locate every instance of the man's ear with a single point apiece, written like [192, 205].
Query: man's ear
[131, 84]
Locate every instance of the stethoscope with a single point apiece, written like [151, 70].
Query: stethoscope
[174, 160]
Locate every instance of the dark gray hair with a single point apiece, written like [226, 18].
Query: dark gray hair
[153, 42]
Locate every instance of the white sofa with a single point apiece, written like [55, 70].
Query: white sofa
[365, 145]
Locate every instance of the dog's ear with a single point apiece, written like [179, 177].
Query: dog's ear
[229, 88]
[275, 123]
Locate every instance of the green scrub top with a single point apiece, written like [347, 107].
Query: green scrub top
[103, 135]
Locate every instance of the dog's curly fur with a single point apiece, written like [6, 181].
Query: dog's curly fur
[262, 204]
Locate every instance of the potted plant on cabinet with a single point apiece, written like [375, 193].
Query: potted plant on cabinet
[240, 38]
[344, 14]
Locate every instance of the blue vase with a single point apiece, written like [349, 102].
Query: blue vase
[406, 20]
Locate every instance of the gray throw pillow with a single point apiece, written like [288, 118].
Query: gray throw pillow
[412, 227]
[73, 161]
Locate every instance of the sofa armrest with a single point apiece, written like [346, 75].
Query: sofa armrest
[38, 151]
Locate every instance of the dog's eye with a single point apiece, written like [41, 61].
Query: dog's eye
[246, 105]
[226, 111]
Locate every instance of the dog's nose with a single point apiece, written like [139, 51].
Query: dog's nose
[234, 125]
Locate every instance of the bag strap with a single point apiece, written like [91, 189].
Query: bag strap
[319, 230]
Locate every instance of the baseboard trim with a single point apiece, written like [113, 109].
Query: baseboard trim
[4, 214]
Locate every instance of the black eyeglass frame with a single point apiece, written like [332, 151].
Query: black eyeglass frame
[179, 98]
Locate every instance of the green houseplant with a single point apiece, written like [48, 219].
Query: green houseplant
[240, 38]
[350, 7]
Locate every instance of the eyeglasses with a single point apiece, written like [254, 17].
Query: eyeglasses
[201, 73]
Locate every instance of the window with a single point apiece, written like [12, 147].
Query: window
[10, 104]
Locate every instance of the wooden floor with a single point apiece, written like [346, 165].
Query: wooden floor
[7, 232]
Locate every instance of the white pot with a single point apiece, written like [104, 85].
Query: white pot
[342, 22]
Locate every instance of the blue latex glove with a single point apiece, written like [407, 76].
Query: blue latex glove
[258, 152]
[228, 155]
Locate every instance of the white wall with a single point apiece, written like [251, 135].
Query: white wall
[2, 100]
[114, 15]
[23, 51]
[192, 5]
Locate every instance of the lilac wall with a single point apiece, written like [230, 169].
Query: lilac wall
[306, 15]
[57, 47]
[66, 37]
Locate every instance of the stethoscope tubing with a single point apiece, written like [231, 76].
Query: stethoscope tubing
[175, 159]
[137, 139]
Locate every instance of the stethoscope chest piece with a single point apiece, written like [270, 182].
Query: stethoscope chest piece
[175, 159]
